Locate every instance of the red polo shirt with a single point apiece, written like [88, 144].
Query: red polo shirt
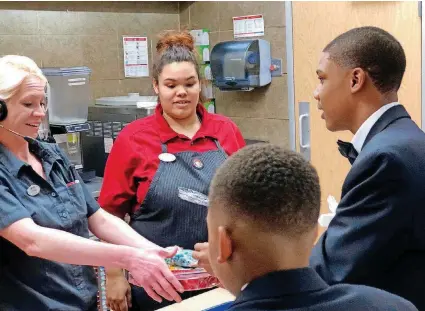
[133, 160]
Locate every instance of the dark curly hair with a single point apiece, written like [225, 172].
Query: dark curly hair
[375, 51]
[274, 187]
[174, 46]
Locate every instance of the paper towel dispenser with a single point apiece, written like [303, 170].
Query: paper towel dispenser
[241, 65]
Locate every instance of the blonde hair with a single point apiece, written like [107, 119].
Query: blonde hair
[14, 69]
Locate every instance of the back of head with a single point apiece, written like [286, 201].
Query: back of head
[375, 51]
[174, 46]
[14, 69]
[273, 187]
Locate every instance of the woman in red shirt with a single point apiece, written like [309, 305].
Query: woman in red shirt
[157, 163]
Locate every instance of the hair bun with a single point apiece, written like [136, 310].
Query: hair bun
[170, 39]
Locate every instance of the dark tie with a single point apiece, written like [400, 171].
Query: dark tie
[347, 150]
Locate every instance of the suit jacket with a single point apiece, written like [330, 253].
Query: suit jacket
[303, 289]
[377, 236]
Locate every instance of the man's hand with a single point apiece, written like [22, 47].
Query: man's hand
[149, 270]
[201, 254]
[118, 291]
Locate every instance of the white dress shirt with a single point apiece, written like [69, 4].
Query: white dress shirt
[361, 134]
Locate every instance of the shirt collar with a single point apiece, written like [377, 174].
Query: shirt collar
[166, 133]
[361, 134]
[14, 165]
[281, 283]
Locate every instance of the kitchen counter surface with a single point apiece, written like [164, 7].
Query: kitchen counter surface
[94, 186]
[203, 301]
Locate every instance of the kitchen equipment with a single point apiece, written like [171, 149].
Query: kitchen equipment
[132, 99]
[68, 93]
[68, 97]
[106, 123]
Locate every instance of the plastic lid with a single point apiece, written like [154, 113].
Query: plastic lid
[66, 71]
[127, 100]
[146, 105]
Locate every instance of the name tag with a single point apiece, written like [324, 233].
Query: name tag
[33, 190]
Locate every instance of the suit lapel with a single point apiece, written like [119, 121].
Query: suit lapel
[391, 115]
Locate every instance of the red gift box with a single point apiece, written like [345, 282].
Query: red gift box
[196, 280]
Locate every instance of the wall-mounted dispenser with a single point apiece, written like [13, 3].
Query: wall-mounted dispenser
[241, 65]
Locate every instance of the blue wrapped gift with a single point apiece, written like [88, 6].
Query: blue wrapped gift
[183, 258]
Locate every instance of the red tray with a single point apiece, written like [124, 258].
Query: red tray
[198, 280]
[191, 278]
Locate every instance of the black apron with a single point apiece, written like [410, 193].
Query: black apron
[167, 218]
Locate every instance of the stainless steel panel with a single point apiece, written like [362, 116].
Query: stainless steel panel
[106, 123]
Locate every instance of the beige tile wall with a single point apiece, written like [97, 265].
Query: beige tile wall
[90, 34]
[262, 113]
[85, 34]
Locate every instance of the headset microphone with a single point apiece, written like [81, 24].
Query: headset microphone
[27, 138]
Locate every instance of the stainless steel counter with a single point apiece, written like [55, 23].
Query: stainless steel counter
[94, 186]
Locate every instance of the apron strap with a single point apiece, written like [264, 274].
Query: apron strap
[217, 143]
[164, 148]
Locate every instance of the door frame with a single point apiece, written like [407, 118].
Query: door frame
[290, 75]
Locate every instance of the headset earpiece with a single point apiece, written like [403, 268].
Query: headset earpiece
[3, 110]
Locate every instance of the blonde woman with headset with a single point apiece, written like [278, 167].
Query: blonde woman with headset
[46, 213]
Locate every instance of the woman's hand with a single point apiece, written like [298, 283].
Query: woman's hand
[118, 291]
[201, 254]
[149, 270]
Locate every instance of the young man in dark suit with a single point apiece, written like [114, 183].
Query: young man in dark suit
[377, 237]
[264, 202]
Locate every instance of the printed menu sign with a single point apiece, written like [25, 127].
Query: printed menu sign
[248, 26]
[136, 57]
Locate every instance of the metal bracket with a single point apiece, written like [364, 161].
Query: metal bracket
[276, 67]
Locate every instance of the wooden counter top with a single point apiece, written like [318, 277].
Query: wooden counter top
[203, 301]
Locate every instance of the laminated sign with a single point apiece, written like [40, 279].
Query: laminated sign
[248, 26]
[136, 57]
